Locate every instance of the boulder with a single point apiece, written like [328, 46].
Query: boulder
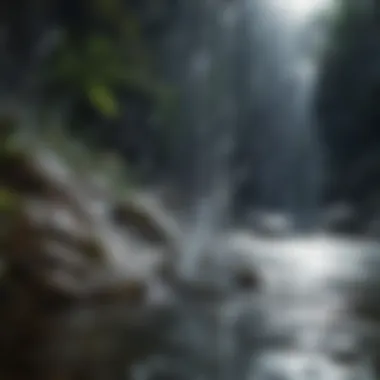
[81, 295]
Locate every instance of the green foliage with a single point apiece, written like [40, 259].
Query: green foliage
[8, 200]
[92, 72]
[99, 66]
[103, 99]
[100, 59]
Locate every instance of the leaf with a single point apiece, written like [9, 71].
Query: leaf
[8, 200]
[102, 98]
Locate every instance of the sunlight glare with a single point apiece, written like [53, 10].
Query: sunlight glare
[302, 10]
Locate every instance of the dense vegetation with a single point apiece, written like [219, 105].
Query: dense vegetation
[92, 65]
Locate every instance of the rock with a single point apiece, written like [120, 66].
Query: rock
[271, 224]
[25, 176]
[247, 279]
[79, 285]
[338, 218]
[146, 218]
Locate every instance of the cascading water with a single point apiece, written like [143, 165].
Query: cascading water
[282, 51]
[300, 322]
[285, 58]
[208, 31]
[279, 43]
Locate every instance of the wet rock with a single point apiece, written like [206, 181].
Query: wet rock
[338, 218]
[345, 357]
[248, 280]
[145, 217]
[357, 219]
[130, 215]
[25, 176]
[81, 294]
[271, 224]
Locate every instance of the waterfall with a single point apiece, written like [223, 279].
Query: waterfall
[285, 39]
[209, 117]
[272, 116]
[248, 71]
